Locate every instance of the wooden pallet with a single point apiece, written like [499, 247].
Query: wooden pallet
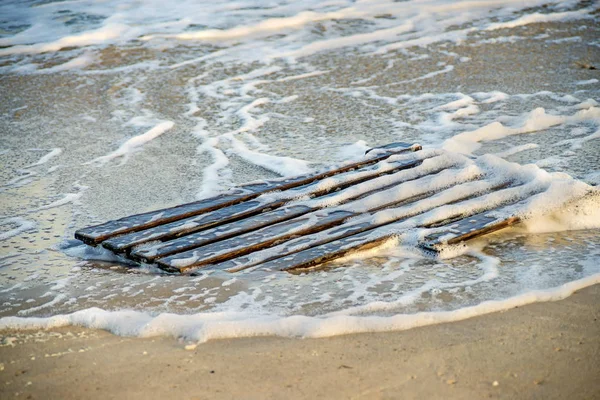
[301, 222]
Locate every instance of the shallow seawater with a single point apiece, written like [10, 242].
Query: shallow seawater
[118, 108]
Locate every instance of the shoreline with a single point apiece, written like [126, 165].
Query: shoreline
[239, 112]
[541, 350]
[202, 327]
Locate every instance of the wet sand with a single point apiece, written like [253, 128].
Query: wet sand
[540, 351]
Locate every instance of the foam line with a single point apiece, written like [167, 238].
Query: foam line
[23, 225]
[516, 149]
[47, 157]
[536, 120]
[215, 176]
[539, 18]
[107, 33]
[78, 62]
[66, 199]
[224, 325]
[262, 28]
[284, 166]
[347, 41]
[255, 31]
[134, 143]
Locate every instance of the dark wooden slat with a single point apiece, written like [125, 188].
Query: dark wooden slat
[237, 212]
[466, 229]
[286, 250]
[474, 226]
[358, 235]
[300, 243]
[95, 234]
[469, 228]
[459, 228]
[120, 244]
[281, 232]
[247, 243]
[252, 224]
[315, 256]
[207, 236]
[98, 233]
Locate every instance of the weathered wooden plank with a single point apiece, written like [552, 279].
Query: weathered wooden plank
[314, 256]
[306, 225]
[367, 239]
[252, 241]
[252, 224]
[95, 234]
[151, 252]
[444, 198]
[460, 227]
[451, 232]
[263, 258]
[240, 246]
[307, 252]
[466, 229]
[245, 209]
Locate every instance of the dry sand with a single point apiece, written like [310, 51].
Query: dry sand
[540, 351]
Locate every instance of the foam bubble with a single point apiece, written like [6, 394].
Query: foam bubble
[135, 143]
[583, 213]
[535, 121]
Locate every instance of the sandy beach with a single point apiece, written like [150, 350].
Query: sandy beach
[540, 351]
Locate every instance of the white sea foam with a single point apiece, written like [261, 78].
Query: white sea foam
[539, 17]
[352, 151]
[107, 33]
[587, 82]
[536, 120]
[47, 157]
[581, 214]
[135, 143]
[223, 325]
[284, 166]
[248, 28]
[20, 225]
[215, 175]
[78, 62]
[493, 97]
[517, 149]
[66, 199]
[265, 27]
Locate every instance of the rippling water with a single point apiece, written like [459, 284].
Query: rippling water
[121, 107]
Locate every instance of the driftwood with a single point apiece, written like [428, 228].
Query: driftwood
[287, 224]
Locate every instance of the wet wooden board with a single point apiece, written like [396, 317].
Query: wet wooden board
[268, 227]
[306, 252]
[150, 253]
[299, 223]
[455, 232]
[282, 232]
[316, 256]
[467, 228]
[243, 210]
[93, 235]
